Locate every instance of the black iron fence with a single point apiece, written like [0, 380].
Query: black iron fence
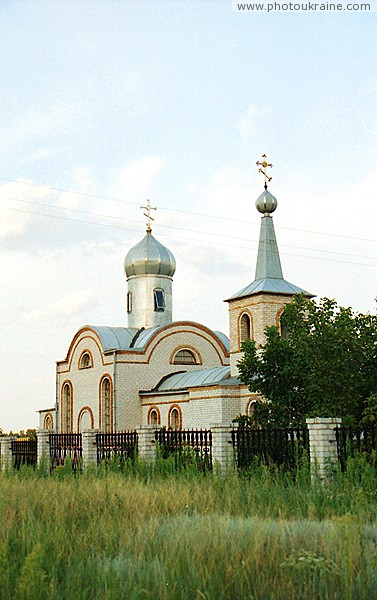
[356, 440]
[122, 444]
[283, 447]
[24, 452]
[63, 445]
[186, 446]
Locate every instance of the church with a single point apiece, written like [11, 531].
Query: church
[165, 373]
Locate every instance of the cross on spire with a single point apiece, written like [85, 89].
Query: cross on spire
[147, 214]
[264, 164]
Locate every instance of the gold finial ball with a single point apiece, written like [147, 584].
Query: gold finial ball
[266, 203]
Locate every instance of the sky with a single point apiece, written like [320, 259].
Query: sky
[108, 103]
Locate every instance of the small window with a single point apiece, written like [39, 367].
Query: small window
[245, 328]
[66, 409]
[85, 361]
[48, 422]
[251, 409]
[129, 302]
[175, 419]
[283, 328]
[154, 418]
[106, 405]
[184, 357]
[159, 300]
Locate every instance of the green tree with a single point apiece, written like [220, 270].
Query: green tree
[326, 366]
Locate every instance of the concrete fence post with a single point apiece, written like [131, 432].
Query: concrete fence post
[6, 452]
[322, 440]
[43, 448]
[89, 447]
[222, 448]
[146, 443]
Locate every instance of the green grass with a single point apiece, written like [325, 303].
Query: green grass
[147, 533]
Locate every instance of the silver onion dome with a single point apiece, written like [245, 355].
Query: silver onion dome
[266, 202]
[149, 257]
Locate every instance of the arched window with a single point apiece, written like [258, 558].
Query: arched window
[129, 302]
[48, 422]
[85, 360]
[244, 328]
[85, 419]
[66, 408]
[105, 405]
[175, 418]
[283, 328]
[159, 300]
[251, 409]
[154, 417]
[185, 357]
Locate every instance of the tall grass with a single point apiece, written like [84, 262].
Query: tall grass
[147, 533]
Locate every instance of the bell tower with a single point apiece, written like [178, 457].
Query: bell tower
[261, 303]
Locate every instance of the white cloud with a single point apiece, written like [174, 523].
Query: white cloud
[14, 210]
[83, 183]
[71, 304]
[132, 180]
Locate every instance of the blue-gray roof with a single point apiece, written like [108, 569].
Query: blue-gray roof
[129, 338]
[114, 338]
[203, 377]
[270, 285]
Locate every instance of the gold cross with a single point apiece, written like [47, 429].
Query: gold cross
[147, 214]
[264, 164]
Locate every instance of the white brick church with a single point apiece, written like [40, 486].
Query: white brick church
[157, 371]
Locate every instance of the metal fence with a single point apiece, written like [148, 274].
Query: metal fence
[122, 444]
[187, 446]
[24, 452]
[283, 447]
[351, 441]
[63, 445]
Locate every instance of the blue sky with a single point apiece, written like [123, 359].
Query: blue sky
[119, 101]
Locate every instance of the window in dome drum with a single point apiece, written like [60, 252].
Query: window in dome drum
[159, 300]
[129, 302]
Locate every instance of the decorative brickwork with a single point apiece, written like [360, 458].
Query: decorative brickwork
[264, 309]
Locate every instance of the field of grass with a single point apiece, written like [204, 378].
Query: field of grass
[139, 534]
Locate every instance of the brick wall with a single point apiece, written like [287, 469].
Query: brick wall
[134, 370]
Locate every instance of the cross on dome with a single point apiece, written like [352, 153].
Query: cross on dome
[264, 164]
[147, 214]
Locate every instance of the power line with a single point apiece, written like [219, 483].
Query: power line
[188, 239]
[176, 210]
[75, 210]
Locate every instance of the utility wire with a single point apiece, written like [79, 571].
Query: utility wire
[210, 216]
[75, 210]
[185, 239]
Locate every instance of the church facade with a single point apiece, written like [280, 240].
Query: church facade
[165, 373]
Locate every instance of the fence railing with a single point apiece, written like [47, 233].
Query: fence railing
[186, 446]
[24, 452]
[355, 440]
[63, 445]
[122, 444]
[284, 447]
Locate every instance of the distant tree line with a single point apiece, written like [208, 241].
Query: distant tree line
[31, 434]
